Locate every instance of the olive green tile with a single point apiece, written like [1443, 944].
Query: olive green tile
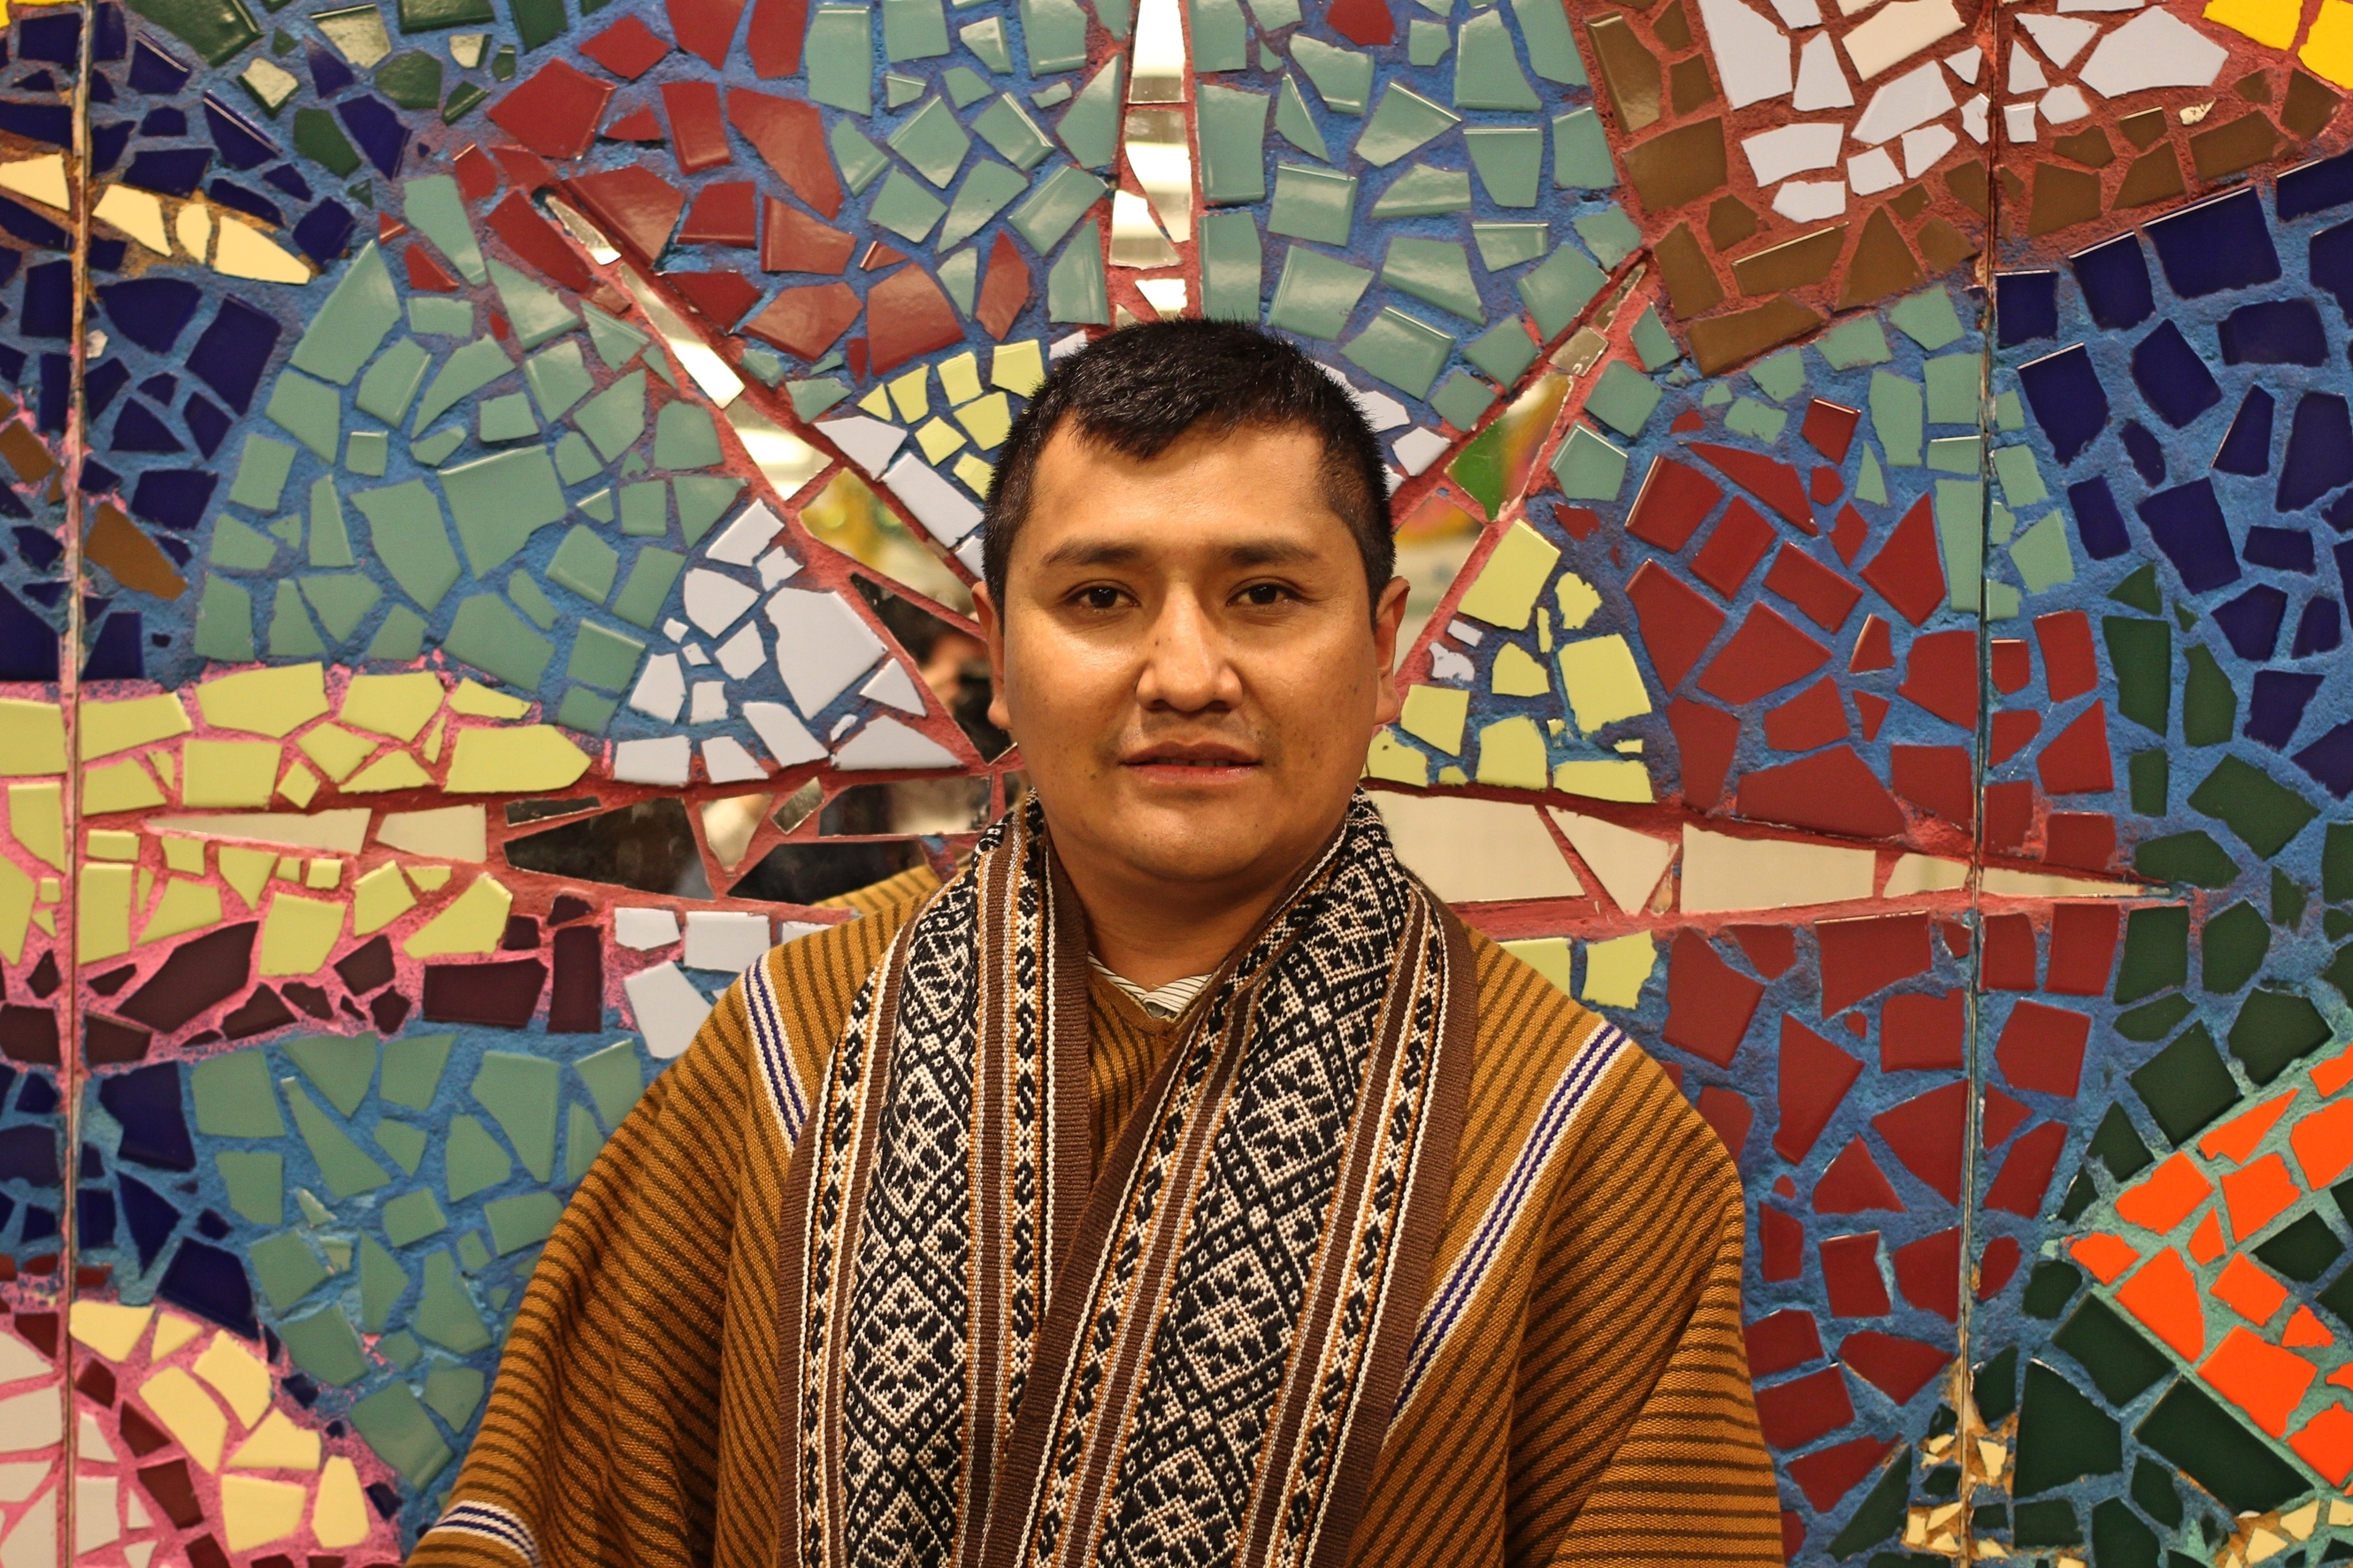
[285, 1267]
[1427, 41]
[838, 55]
[935, 144]
[1233, 267]
[584, 564]
[343, 1163]
[1218, 36]
[531, 599]
[472, 1159]
[1403, 121]
[582, 1139]
[1588, 468]
[445, 1314]
[323, 1345]
[645, 508]
[1007, 126]
[473, 1253]
[1313, 204]
[1054, 206]
[317, 138]
[987, 191]
[521, 1221]
[405, 1143]
[233, 1097]
[486, 634]
[215, 29]
[1053, 35]
[649, 585]
[1580, 153]
[1609, 234]
[2231, 948]
[400, 638]
[1316, 293]
[861, 161]
[2122, 1362]
[1343, 78]
[412, 1069]
[986, 38]
[2263, 813]
[1074, 284]
[1487, 72]
[1232, 130]
[454, 1394]
[2061, 1434]
[585, 710]
[1623, 399]
[1503, 350]
[401, 1350]
[614, 1080]
[1090, 127]
[905, 208]
[2272, 1029]
[604, 658]
[340, 1067]
[411, 79]
[616, 417]
[413, 1216]
[2186, 1084]
[2210, 707]
[1436, 270]
[1555, 291]
[256, 1180]
[1401, 350]
[1422, 191]
[1461, 399]
[913, 30]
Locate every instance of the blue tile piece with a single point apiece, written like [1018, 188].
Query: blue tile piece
[2315, 187]
[241, 145]
[2172, 379]
[2319, 451]
[2187, 524]
[2247, 450]
[2276, 331]
[2318, 630]
[2252, 621]
[2026, 306]
[2332, 263]
[376, 127]
[2216, 245]
[233, 351]
[169, 170]
[2099, 526]
[154, 70]
[2067, 398]
[328, 74]
[2329, 760]
[2276, 704]
[2281, 549]
[2147, 457]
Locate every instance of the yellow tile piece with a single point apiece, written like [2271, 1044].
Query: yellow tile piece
[2328, 47]
[1615, 970]
[255, 1512]
[977, 475]
[230, 772]
[193, 227]
[1544, 630]
[988, 420]
[911, 393]
[272, 701]
[238, 1375]
[43, 179]
[118, 786]
[172, 1331]
[298, 934]
[960, 378]
[246, 871]
[136, 213]
[1600, 780]
[510, 761]
[474, 922]
[1547, 955]
[102, 922]
[32, 739]
[1512, 753]
[336, 750]
[166, 765]
[110, 1330]
[51, 890]
[290, 868]
[2270, 23]
[432, 747]
[429, 878]
[300, 785]
[393, 705]
[876, 402]
[1018, 367]
[106, 728]
[937, 439]
[277, 1445]
[1393, 759]
[186, 907]
[477, 701]
[185, 855]
[1604, 682]
[447, 833]
[15, 911]
[1506, 590]
[1436, 714]
[37, 817]
[324, 874]
[340, 1517]
[47, 920]
[394, 770]
[379, 899]
[244, 252]
[1515, 674]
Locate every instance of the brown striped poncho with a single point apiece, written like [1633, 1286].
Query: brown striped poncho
[1574, 1388]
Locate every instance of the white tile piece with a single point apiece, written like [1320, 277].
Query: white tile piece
[1628, 864]
[2064, 105]
[741, 654]
[843, 726]
[2025, 74]
[821, 646]
[2100, 4]
[741, 541]
[1752, 54]
[776, 567]
[695, 656]
[1913, 99]
[787, 740]
[98, 1520]
[709, 702]
[1967, 64]
[1392, 477]
[1973, 117]
[1418, 449]
[667, 1008]
[1922, 147]
[33, 1542]
[1062, 348]
[894, 687]
[644, 929]
[1925, 874]
[20, 1477]
[887, 744]
[728, 939]
[867, 442]
[1872, 172]
[2061, 38]
[1896, 31]
[91, 1442]
[1451, 667]
[2018, 122]
[2156, 48]
[1469, 850]
[662, 688]
[664, 760]
[675, 629]
[1821, 80]
[1810, 201]
[1467, 633]
[714, 601]
[19, 1361]
[1722, 873]
[1797, 14]
[1381, 411]
[945, 511]
[1776, 154]
[968, 553]
[1855, 7]
[726, 761]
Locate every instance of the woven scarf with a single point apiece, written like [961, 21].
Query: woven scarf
[994, 1355]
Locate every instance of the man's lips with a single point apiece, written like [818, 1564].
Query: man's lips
[1202, 757]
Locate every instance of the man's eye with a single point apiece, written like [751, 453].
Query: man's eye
[1263, 596]
[1100, 598]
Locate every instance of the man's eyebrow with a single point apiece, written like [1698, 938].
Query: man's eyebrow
[1084, 553]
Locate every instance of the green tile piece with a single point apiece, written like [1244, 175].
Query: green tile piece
[2156, 952]
[2263, 813]
[521, 1221]
[2042, 555]
[339, 1067]
[400, 638]
[1623, 399]
[1233, 267]
[1316, 293]
[285, 1267]
[1552, 48]
[585, 710]
[1653, 343]
[684, 437]
[344, 1165]
[1401, 350]
[1870, 483]
[913, 30]
[454, 1394]
[261, 469]
[959, 280]
[603, 657]
[433, 207]
[1232, 129]
[1952, 381]
[1343, 78]
[598, 504]
[616, 417]
[1956, 454]
[1487, 72]
[412, 1069]
[898, 91]
[1291, 118]
[935, 144]
[2302, 1251]
[617, 342]
[1218, 36]
[440, 316]
[2272, 1029]
[2020, 476]
[905, 208]
[405, 1144]
[472, 1159]
[985, 192]
[586, 564]
[535, 312]
[2008, 413]
[307, 411]
[445, 1314]
[1509, 160]
[1580, 153]
[367, 452]
[1960, 534]
[649, 585]
[1479, 470]
[531, 599]
[1313, 204]
[1555, 293]
[392, 381]
[582, 1139]
[401, 1350]
[2122, 1363]
[839, 58]
[463, 374]
[1588, 468]
[1054, 94]
[1427, 41]
[499, 501]
[1897, 418]
[427, 15]
[233, 1098]
[239, 548]
[351, 326]
[1054, 206]
[2061, 1434]
[486, 634]
[1758, 421]
[1881, 1512]
[1090, 127]
[614, 1080]
[1854, 343]
[1053, 35]
[2209, 705]
[506, 418]
[1074, 284]
[1781, 376]
[814, 396]
[1503, 350]
[473, 1254]
[1928, 318]
[1006, 126]
[413, 1216]
[1404, 120]
[317, 138]
[862, 161]
[1609, 234]
[256, 1181]
[2118, 1146]
[2214, 1449]
[575, 462]
[215, 29]
[558, 378]
[1437, 270]
[2141, 654]
[1422, 191]
[986, 38]
[1503, 246]
[330, 542]
[291, 635]
[1461, 399]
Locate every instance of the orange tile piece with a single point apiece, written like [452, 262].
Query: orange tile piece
[2322, 1143]
[2258, 1195]
[2236, 1139]
[2163, 1294]
[2105, 1256]
[2342, 1377]
[2206, 1241]
[2163, 1198]
[2248, 1291]
[2259, 1378]
[2327, 1444]
[2305, 1331]
[2333, 1074]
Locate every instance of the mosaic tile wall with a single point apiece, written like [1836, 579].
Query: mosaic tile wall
[493, 487]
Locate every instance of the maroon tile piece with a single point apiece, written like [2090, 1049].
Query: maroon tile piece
[503, 994]
[1940, 674]
[568, 908]
[1780, 1245]
[1765, 655]
[1997, 1264]
[790, 136]
[96, 1381]
[1922, 1029]
[1811, 1081]
[774, 37]
[1004, 291]
[555, 111]
[1925, 1133]
[1850, 1278]
[105, 1043]
[1672, 502]
[907, 316]
[388, 229]
[2083, 947]
[1774, 482]
[387, 1010]
[1872, 708]
[1689, 420]
[1868, 954]
[1897, 1366]
[1855, 1184]
[521, 934]
[29, 1035]
[1833, 791]
[2042, 1049]
[426, 273]
[1874, 648]
[2076, 760]
[1929, 1274]
[1813, 718]
[1735, 545]
[721, 296]
[2070, 667]
[171, 1486]
[698, 134]
[727, 212]
[575, 1004]
[1365, 21]
[634, 205]
[2000, 1117]
[1795, 1413]
[1829, 428]
[204, 1551]
[1849, 534]
[2009, 952]
[1938, 779]
[2009, 812]
[258, 1014]
[2011, 731]
[1709, 1003]
[1908, 572]
[857, 353]
[1782, 1340]
[2025, 1175]
[1822, 595]
[2086, 840]
[705, 28]
[1729, 1112]
[1956, 937]
[1705, 739]
[635, 125]
[1580, 522]
[309, 999]
[199, 973]
[1770, 949]
[478, 177]
[2010, 663]
[1826, 1476]
[109, 982]
[366, 966]
[1825, 485]
[44, 980]
[535, 240]
[1677, 624]
[629, 49]
[807, 321]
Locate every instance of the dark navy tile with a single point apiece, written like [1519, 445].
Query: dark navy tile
[2099, 526]
[2147, 457]
[2172, 379]
[2319, 451]
[2067, 399]
[2026, 306]
[2275, 331]
[2252, 621]
[2286, 549]
[2315, 187]
[2187, 524]
[2276, 704]
[2247, 449]
[2220, 243]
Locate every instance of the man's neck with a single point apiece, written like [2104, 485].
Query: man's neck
[1154, 931]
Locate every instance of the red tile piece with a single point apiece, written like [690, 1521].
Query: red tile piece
[2163, 1294]
[1794, 1414]
[1999, 1117]
[1826, 1476]
[2084, 840]
[427, 274]
[2042, 1049]
[1765, 655]
[1769, 480]
[1956, 937]
[2082, 947]
[1771, 950]
[789, 135]
[1833, 791]
[535, 240]
[2305, 1331]
[1729, 1112]
[1673, 501]
[629, 49]
[705, 28]
[879, 255]
[1853, 1184]
[2009, 812]
[1863, 956]
[1908, 572]
[792, 241]
[907, 315]
[1826, 485]
[525, 169]
[857, 354]
[1581, 521]
[555, 111]
[721, 296]
[805, 321]
[1940, 674]
[1822, 595]
[1938, 779]
[2010, 959]
[1924, 1132]
[2258, 1195]
[2076, 760]
[1922, 1029]
[774, 37]
[726, 213]
[1735, 545]
[1365, 21]
[696, 133]
[1813, 718]
[2025, 1175]
[2070, 667]
[1004, 291]
[2011, 663]
[1780, 1245]
[1677, 624]
[1689, 420]
[1705, 739]
[478, 177]
[1852, 1284]
[1997, 1264]
[499, 327]
[1829, 428]
[1929, 1274]
[1812, 1079]
[1896, 1366]
[2323, 1141]
[1872, 648]
[637, 124]
[388, 229]
[2012, 731]
[1849, 534]
[2259, 1378]
[2249, 1291]
[1709, 1003]
[634, 205]
[1783, 1341]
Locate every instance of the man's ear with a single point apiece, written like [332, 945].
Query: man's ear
[992, 631]
[1389, 614]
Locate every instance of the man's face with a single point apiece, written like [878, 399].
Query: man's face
[1188, 658]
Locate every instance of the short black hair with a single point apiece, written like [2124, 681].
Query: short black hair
[1136, 391]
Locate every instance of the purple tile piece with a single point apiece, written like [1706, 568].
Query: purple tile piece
[2220, 243]
[28, 224]
[2277, 706]
[2247, 449]
[2026, 306]
[2114, 277]
[141, 430]
[2319, 451]
[205, 422]
[54, 38]
[234, 350]
[116, 653]
[2283, 549]
[2318, 630]
[107, 142]
[174, 498]
[2329, 760]
[2275, 331]
[29, 644]
[245, 201]
[2067, 398]
[2171, 377]
[153, 69]
[376, 127]
[2252, 621]
[241, 143]
[289, 180]
[101, 386]
[165, 121]
[2315, 187]
[2098, 524]
[168, 171]
[49, 300]
[328, 74]
[2187, 524]
[49, 123]
[2148, 458]
[151, 311]
[325, 232]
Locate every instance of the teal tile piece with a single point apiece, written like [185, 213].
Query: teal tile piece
[1051, 95]
[1588, 468]
[463, 374]
[1405, 353]
[499, 501]
[585, 710]
[1090, 127]
[405, 1144]
[1781, 375]
[339, 1067]
[454, 1394]
[558, 378]
[1422, 191]
[1313, 204]
[985, 192]
[1231, 125]
[1316, 293]
[256, 1182]
[898, 91]
[614, 418]
[291, 635]
[323, 1345]
[1054, 206]
[535, 312]
[1487, 72]
[285, 1267]
[1343, 78]
[861, 161]
[1623, 399]
[933, 142]
[1436, 270]
[1233, 266]
[308, 411]
[1074, 284]
[409, 538]
[1956, 453]
[684, 437]
[649, 585]
[412, 1216]
[1952, 382]
[486, 634]
[506, 418]
[383, 1281]
[391, 381]
[1857, 343]
[433, 209]
[1609, 234]
[1555, 291]
[1896, 418]
[582, 1139]
[445, 1314]
[913, 30]
[1218, 36]
[368, 453]
[1461, 398]
[531, 599]
[412, 1069]
[442, 316]
[1401, 123]
[431, 449]
[603, 656]
[330, 542]
[350, 325]
[905, 208]
[1427, 41]
[614, 1080]
[400, 638]
[343, 1163]
[703, 500]
[1758, 421]
[985, 38]
[1053, 35]
[238, 547]
[1928, 318]
[1510, 162]
[1580, 153]
[1552, 46]
[525, 1220]
[224, 627]
[1503, 246]
[598, 504]
[1007, 126]
[233, 1098]
[1653, 344]
[473, 1256]
[1503, 350]
[340, 601]
[575, 463]
[472, 1159]
[839, 58]
[1291, 118]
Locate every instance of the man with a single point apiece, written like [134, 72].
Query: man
[1180, 1184]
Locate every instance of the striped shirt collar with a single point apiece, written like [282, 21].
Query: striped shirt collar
[1166, 1001]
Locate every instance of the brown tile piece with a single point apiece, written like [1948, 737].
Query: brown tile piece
[501, 995]
[116, 544]
[1722, 341]
[2061, 197]
[1679, 165]
[1693, 287]
[2254, 87]
[26, 454]
[1943, 246]
[2090, 146]
[1883, 263]
[2240, 143]
[1910, 202]
[1792, 264]
[1730, 221]
[2309, 106]
[1688, 84]
[1629, 70]
[1673, 27]
[2142, 130]
[1968, 183]
[2155, 176]
[105, 1043]
[1005, 289]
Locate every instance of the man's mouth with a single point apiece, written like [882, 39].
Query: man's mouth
[1203, 757]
